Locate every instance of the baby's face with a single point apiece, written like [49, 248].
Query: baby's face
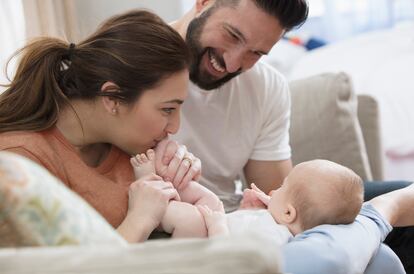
[278, 201]
[282, 196]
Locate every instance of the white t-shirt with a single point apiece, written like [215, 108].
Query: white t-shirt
[247, 118]
[259, 221]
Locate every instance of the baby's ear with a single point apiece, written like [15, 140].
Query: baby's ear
[290, 214]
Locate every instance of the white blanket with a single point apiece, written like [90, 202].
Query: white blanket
[260, 221]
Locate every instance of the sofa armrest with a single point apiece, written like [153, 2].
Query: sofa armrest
[368, 116]
[250, 253]
[325, 125]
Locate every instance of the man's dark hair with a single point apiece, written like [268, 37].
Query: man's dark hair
[289, 13]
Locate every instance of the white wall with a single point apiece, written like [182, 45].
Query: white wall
[91, 13]
[12, 35]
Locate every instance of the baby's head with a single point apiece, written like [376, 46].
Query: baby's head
[317, 192]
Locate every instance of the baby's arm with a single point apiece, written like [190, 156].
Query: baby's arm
[215, 221]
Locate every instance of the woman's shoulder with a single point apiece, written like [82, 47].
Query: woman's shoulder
[39, 147]
[35, 145]
[26, 139]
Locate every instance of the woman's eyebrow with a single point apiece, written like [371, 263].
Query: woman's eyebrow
[177, 101]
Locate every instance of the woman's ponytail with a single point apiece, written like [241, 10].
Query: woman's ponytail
[32, 100]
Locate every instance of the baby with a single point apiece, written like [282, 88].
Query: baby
[314, 193]
[182, 219]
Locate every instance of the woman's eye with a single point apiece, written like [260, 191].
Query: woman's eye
[168, 110]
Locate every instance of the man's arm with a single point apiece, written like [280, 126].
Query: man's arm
[267, 175]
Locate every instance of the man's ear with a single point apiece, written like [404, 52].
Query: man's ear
[201, 5]
[290, 214]
[111, 104]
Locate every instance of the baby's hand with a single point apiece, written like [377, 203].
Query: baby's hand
[261, 195]
[216, 222]
[254, 198]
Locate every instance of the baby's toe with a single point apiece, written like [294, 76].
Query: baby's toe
[150, 154]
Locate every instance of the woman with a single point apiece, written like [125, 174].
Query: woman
[82, 110]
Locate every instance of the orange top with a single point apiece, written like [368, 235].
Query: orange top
[104, 187]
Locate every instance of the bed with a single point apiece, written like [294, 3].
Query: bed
[381, 64]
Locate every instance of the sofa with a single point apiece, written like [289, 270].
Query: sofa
[46, 228]
[329, 121]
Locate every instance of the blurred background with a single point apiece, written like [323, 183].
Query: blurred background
[371, 40]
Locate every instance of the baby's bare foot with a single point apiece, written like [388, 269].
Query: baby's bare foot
[143, 164]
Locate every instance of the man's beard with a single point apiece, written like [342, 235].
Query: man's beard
[200, 77]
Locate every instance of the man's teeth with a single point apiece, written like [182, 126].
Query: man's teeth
[216, 65]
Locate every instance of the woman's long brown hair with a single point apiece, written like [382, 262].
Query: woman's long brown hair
[136, 51]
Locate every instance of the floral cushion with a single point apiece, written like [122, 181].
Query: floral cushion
[36, 209]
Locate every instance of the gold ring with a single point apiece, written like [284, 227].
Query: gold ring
[189, 160]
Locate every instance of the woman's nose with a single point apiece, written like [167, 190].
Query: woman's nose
[173, 124]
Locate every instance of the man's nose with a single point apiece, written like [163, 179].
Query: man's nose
[233, 60]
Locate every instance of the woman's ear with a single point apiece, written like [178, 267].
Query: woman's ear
[111, 104]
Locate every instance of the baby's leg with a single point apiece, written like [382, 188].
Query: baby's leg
[196, 194]
[183, 220]
[143, 164]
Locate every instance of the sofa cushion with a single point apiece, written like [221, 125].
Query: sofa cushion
[324, 123]
[369, 119]
[242, 254]
[36, 209]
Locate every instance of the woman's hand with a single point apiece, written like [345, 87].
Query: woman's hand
[147, 203]
[175, 164]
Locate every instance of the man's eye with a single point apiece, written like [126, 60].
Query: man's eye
[233, 36]
[257, 53]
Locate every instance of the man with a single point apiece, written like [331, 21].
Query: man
[236, 118]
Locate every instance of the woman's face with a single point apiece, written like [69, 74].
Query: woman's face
[153, 116]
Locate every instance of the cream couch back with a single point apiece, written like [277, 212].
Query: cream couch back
[326, 124]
